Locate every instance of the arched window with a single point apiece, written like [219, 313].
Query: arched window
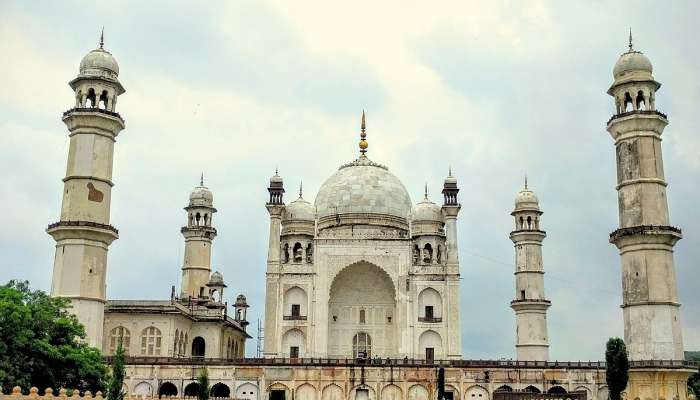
[628, 102]
[192, 389]
[504, 388]
[197, 217]
[181, 349]
[428, 253]
[206, 219]
[532, 389]
[167, 389]
[641, 103]
[102, 103]
[220, 390]
[297, 252]
[198, 347]
[556, 390]
[176, 343]
[285, 251]
[362, 345]
[363, 318]
[91, 99]
[150, 341]
[115, 336]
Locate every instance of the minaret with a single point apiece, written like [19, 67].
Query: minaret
[645, 237]
[83, 233]
[450, 209]
[275, 206]
[199, 234]
[530, 305]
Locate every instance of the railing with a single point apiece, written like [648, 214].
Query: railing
[91, 109]
[642, 229]
[83, 223]
[644, 112]
[430, 319]
[408, 362]
[294, 318]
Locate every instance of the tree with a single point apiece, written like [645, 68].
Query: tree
[41, 343]
[694, 380]
[616, 367]
[203, 385]
[116, 380]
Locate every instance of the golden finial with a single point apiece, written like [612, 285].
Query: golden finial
[102, 38]
[363, 136]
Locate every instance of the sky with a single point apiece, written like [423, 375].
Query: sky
[496, 90]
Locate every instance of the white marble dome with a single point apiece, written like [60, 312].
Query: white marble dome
[426, 210]
[632, 61]
[299, 210]
[216, 279]
[201, 196]
[363, 187]
[99, 62]
[526, 199]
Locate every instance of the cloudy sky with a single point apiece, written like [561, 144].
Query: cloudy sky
[233, 89]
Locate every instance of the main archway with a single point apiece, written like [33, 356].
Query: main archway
[362, 300]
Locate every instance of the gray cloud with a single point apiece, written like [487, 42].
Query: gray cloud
[235, 90]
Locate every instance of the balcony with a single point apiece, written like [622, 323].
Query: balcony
[294, 318]
[430, 320]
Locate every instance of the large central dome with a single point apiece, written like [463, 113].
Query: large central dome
[363, 188]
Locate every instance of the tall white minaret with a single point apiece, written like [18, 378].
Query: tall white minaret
[645, 238]
[83, 233]
[199, 234]
[275, 206]
[450, 210]
[530, 304]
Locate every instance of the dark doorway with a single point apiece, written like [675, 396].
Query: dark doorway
[277, 395]
[428, 313]
[198, 347]
[294, 352]
[448, 396]
[167, 389]
[557, 390]
[220, 390]
[296, 310]
[192, 389]
[429, 354]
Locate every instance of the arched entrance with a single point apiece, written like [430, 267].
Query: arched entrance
[361, 312]
[198, 347]
[167, 389]
[220, 390]
[192, 389]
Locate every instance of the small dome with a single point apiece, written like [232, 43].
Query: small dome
[363, 187]
[630, 62]
[216, 279]
[526, 199]
[299, 210]
[99, 62]
[426, 210]
[241, 301]
[201, 196]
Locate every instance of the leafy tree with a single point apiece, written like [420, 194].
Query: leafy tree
[694, 380]
[203, 385]
[41, 343]
[616, 367]
[116, 380]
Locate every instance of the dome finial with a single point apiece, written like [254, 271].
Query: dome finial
[277, 171]
[363, 136]
[449, 172]
[102, 38]
[201, 179]
[301, 183]
[525, 181]
[630, 43]
[426, 190]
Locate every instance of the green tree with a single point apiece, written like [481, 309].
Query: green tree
[41, 343]
[616, 367]
[203, 385]
[694, 380]
[116, 380]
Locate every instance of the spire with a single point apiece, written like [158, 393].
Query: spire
[102, 38]
[300, 188]
[201, 179]
[630, 43]
[277, 171]
[449, 174]
[363, 136]
[525, 181]
[426, 191]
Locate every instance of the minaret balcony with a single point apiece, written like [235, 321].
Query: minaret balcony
[646, 234]
[83, 230]
[92, 109]
[637, 112]
[530, 304]
[636, 123]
